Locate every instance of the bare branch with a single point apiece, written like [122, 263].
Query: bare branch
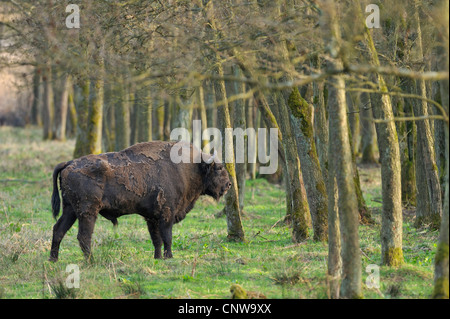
[409, 118]
[358, 69]
[427, 76]
[406, 95]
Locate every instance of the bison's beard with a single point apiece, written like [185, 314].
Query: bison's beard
[216, 194]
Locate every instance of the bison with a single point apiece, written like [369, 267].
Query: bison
[141, 179]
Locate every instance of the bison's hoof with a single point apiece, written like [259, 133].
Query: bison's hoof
[168, 255]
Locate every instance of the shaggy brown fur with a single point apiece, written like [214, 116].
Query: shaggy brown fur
[141, 179]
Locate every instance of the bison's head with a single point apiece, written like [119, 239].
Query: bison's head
[215, 177]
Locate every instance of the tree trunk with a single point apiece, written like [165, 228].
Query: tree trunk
[392, 219]
[353, 105]
[73, 119]
[441, 279]
[301, 124]
[428, 186]
[367, 131]
[135, 109]
[251, 123]
[342, 171]
[239, 122]
[365, 216]
[439, 135]
[109, 127]
[183, 110]
[83, 113]
[299, 208]
[334, 236]
[121, 115]
[158, 106]
[36, 118]
[48, 108]
[95, 117]
[167, 119]
[407, 132]
[61, 106]
[211, 111]
[203, 114]
[144, 118]
[321, 128]
[232, 212]
[347, 200]
[441, 276]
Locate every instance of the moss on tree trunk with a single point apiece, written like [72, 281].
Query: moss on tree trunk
[299, 208]
[95, 119]
[302, 126]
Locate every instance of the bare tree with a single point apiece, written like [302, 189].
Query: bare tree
[429, 212]
[392, 219]
[340, 148]
[441, 277]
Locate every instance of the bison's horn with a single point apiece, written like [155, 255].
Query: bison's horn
[211, 159]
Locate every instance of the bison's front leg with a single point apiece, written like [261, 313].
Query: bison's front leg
[153, 228]
[166, 235]
[86, 223]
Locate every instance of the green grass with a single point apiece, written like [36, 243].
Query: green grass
[205, 264]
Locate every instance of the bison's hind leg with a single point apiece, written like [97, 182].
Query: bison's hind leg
[86, 223]
[61, 227]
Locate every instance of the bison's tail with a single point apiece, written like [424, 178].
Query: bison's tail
[56, 201]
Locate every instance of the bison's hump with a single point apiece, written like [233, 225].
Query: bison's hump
[134, 169]
[153, 150]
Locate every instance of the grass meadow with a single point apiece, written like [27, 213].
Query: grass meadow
[205, 264]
